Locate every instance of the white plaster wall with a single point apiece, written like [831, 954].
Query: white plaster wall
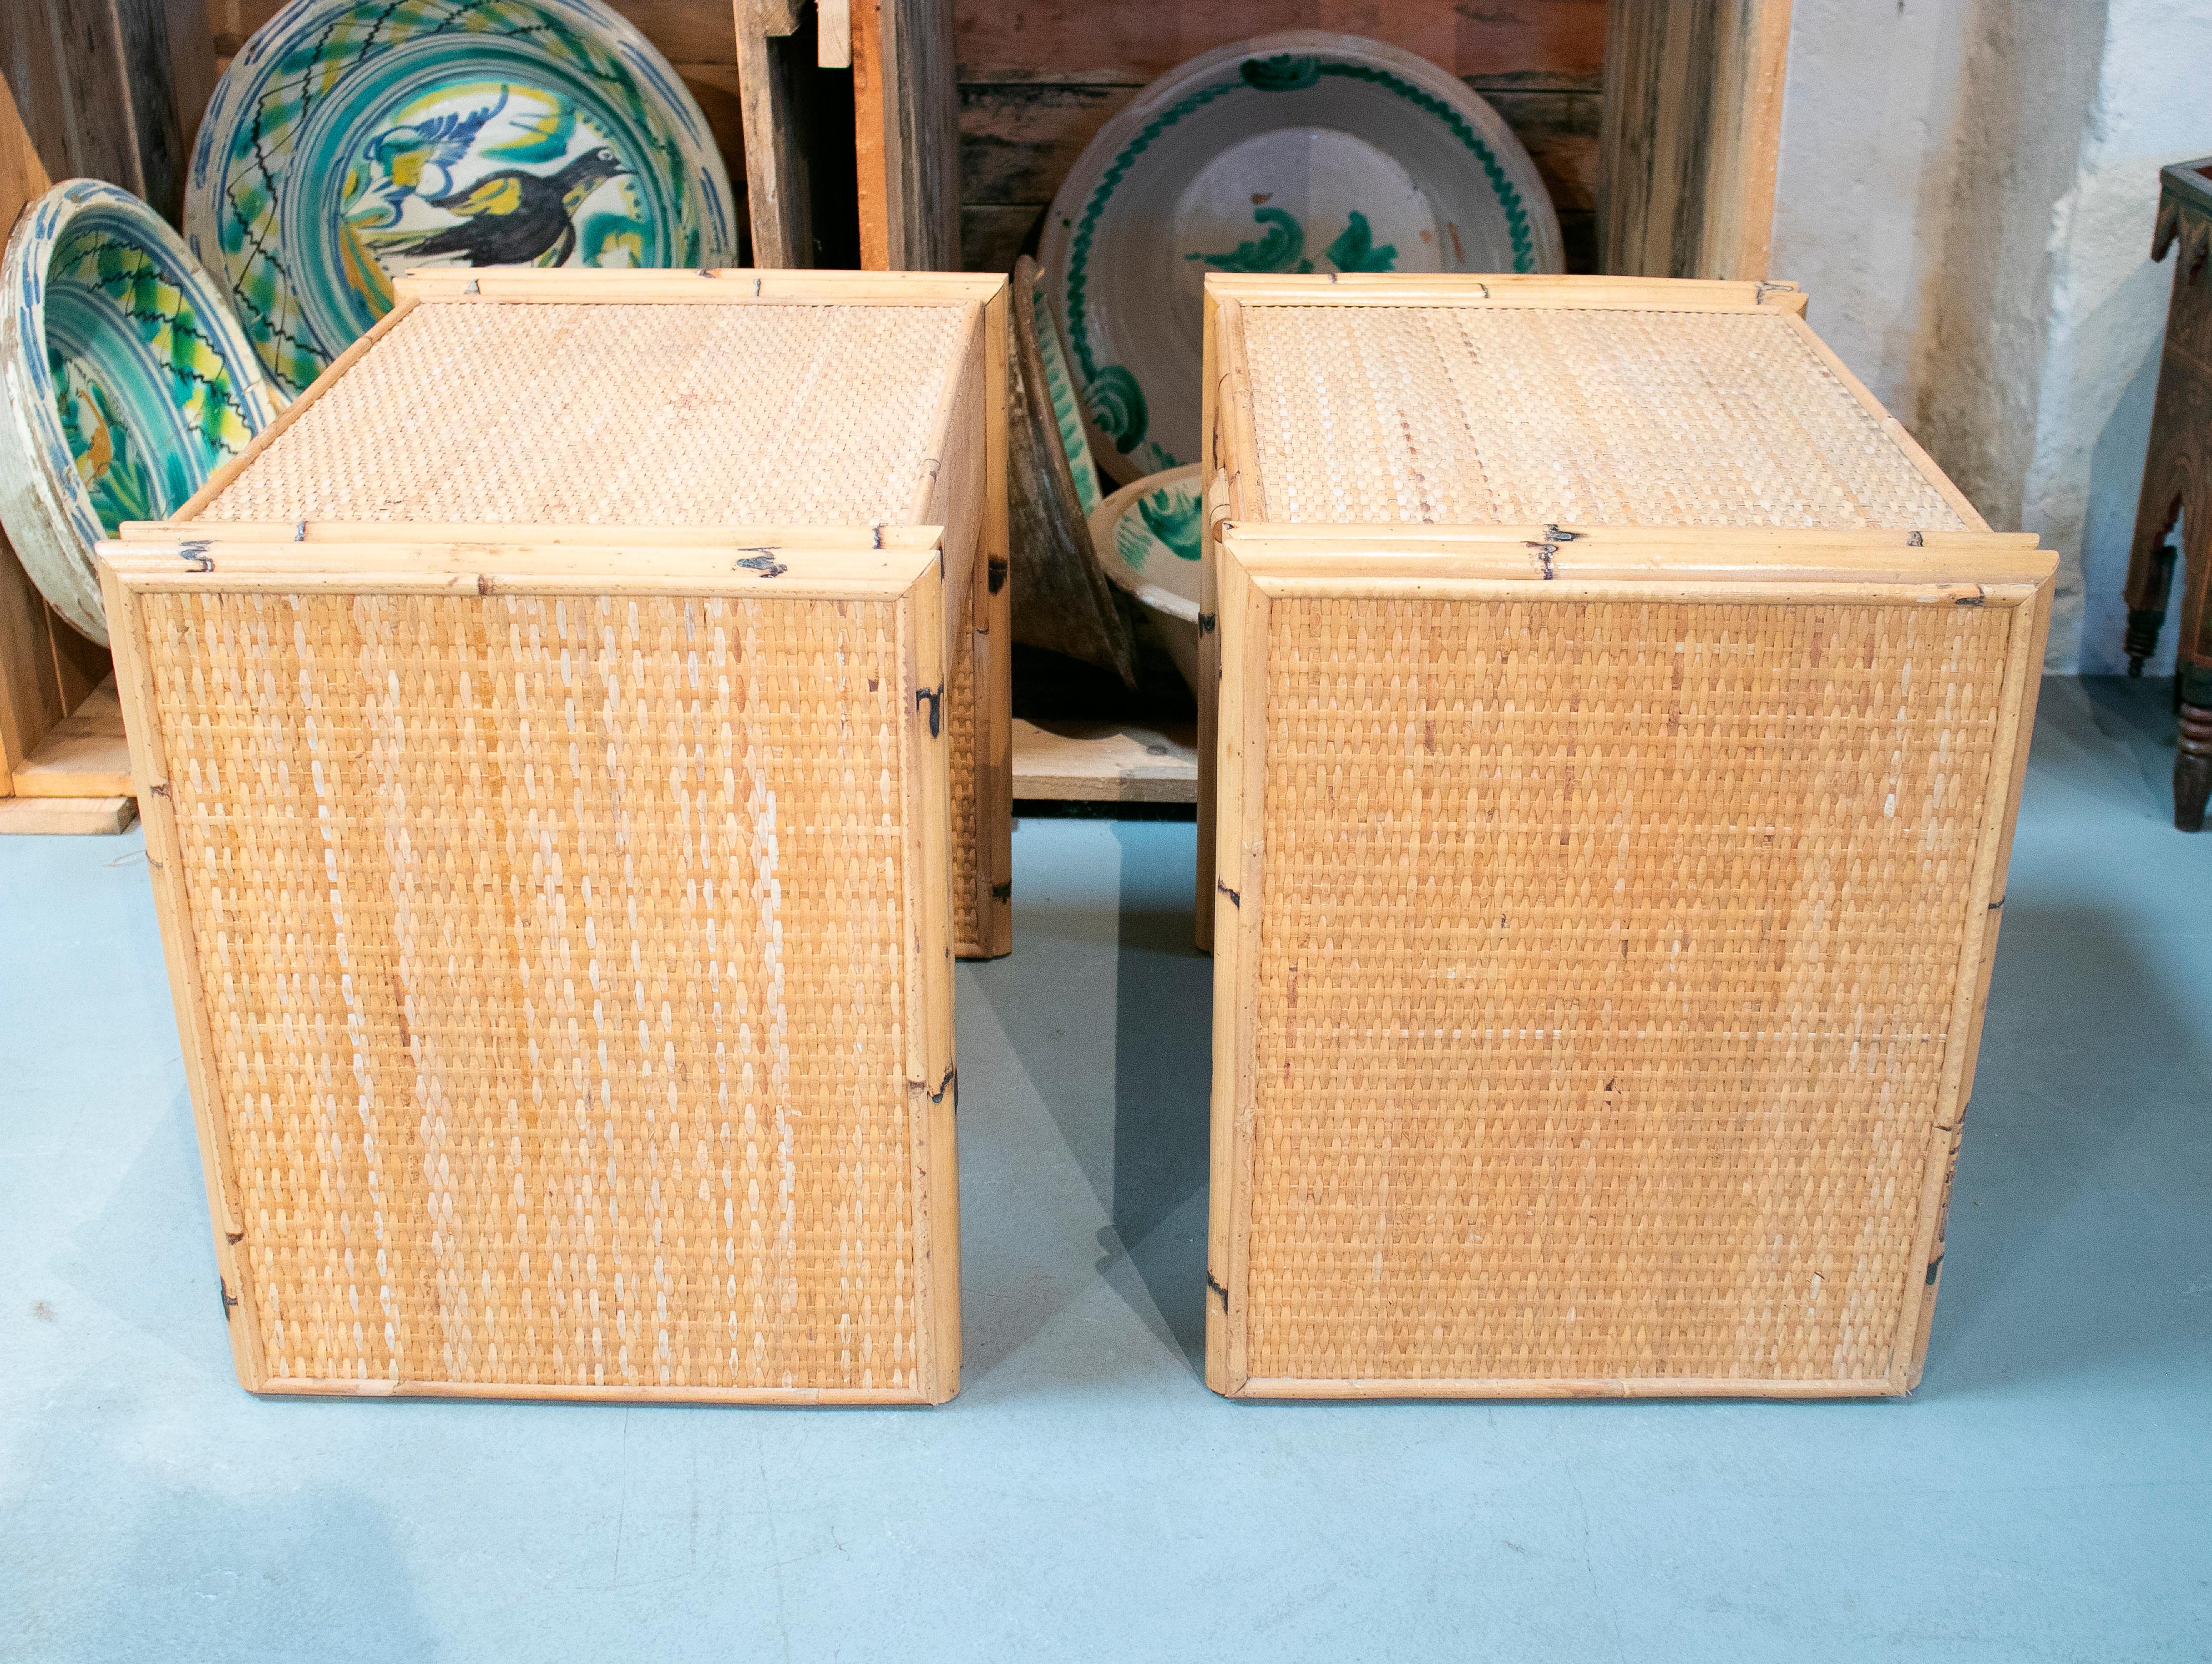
[1867, 115]
[2107, 305]
[1967, 188]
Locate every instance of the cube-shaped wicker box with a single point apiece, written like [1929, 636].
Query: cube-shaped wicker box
[1616, 733]
[574, 741]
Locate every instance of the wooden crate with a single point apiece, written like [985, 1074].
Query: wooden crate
[1619, 729]
[573, 740]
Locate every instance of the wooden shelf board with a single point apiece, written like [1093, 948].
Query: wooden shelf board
[1079, 761]
[84, 756]
[71, 816]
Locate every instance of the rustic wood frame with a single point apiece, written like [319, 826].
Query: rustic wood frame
[112, 89]
[1249, 564]
[1691, 130]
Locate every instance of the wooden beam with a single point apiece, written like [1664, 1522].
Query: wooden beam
[772, 63]
[1693, 120]
[32, 696]
[96, 83]
[67, 816]
[832, 38]
[905, 135]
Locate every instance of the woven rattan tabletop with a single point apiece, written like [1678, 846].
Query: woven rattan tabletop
[1474, 415]
[622, 414]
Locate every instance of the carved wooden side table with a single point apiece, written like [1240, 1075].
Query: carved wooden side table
[2175, 512]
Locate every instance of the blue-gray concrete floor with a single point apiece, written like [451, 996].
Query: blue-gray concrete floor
[2046, 1495]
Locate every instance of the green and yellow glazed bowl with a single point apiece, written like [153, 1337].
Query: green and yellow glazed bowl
[127, 383]
[350, 140]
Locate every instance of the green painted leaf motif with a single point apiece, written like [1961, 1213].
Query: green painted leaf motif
[1278, 251]
[613, 239]
[1285, 72]
[1172, 518]
[545, 137]
[1117, 409]
[1355, 250]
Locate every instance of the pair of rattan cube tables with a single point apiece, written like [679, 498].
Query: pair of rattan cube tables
[574, 746]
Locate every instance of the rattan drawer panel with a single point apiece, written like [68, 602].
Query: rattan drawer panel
[1602, 905]
[561, 923]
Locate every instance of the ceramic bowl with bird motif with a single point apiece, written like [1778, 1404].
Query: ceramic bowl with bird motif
[126, 379]
[1304, 151]
[350, 140]
[1148, 537]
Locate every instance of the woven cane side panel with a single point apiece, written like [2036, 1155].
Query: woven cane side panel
[552, 953]
[960, 715]
[1607, 955]
[1522, 416]
[623, 415]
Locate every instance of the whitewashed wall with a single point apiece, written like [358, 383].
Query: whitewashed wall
[1968, 189]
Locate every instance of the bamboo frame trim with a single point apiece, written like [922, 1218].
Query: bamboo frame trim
[149, 771]
[410, 568]
[714, 285]
[763, 1396]
[1976, 958]
[1596, 293]
[1238, 877]
[1299, 1387]
[992, 646]
[1362, 559]
[371, 534]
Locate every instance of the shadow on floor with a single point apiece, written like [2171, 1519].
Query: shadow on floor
[2137, 715]
[1163, 1053]
[2064, 1224]
[192, 1567]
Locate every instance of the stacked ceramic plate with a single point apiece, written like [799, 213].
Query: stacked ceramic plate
[348, 141]
[352, 139]
[127, 383]
[1300, 152]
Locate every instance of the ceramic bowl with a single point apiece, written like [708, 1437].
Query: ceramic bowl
[1060, 388]
[127, 383]
[1149, 536]
[350, 140]
[1298, 152]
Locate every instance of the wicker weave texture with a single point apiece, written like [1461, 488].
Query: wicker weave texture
[1607, 972]
[1529, 415]
[621, 414]
[968, 853]
[553, 953]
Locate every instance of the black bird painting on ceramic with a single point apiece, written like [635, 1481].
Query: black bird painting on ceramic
[514, 218]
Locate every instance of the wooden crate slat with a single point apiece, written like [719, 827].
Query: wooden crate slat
[67, 817]
[84, 756]
[1085, 762]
